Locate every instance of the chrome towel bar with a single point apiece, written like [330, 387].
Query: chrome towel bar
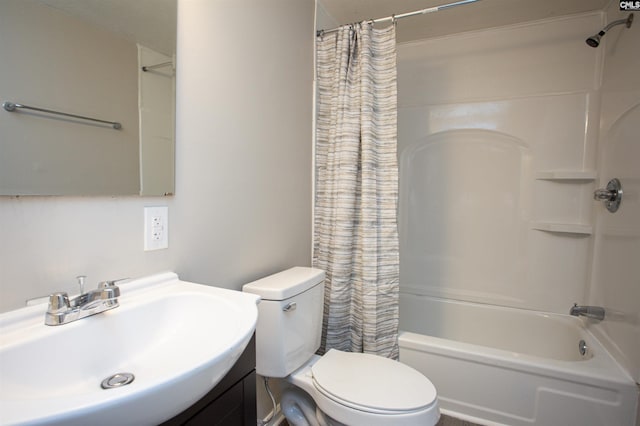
[151, 67]
[10, 106]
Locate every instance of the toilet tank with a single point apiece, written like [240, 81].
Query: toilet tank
[289, 319]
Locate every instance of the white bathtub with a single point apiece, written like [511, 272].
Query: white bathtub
[503, 366]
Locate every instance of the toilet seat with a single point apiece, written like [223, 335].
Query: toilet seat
[372, 383]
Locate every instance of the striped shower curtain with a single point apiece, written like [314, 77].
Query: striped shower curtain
[355, 228]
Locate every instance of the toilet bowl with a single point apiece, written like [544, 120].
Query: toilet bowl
[354, 389]
[362, 389]
[300, 409]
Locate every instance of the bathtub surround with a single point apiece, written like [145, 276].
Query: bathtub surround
[512, 129]
[504, 134]
[356, 240]
[616, 267]
[487, 120]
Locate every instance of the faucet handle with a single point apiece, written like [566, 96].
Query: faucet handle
[58, 302]
[109, 291]
[111, 283]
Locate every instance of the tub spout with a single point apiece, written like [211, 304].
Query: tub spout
[593, 312]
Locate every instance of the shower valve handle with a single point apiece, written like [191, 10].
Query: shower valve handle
[611, 195]
[605, 195]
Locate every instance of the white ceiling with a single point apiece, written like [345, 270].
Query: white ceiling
[473, 16]
[151, 23]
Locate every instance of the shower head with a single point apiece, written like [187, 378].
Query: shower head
[594, 40]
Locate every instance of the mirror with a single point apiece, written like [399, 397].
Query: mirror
[85, 58]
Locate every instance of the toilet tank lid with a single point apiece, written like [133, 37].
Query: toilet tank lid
[285, 284]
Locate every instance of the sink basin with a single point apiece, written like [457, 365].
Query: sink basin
[177, 338]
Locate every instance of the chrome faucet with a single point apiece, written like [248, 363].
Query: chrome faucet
[63, 310]
[593, 312]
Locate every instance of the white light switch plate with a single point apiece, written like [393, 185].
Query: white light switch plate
[156, 228]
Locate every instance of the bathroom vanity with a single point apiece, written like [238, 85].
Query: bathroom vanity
[232, 402]
[163, 345]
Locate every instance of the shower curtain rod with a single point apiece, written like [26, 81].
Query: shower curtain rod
[392, 18]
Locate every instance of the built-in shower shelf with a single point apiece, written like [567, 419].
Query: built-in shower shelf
[567, 175]
[563, 228]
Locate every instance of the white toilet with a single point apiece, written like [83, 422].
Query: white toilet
[348, 388]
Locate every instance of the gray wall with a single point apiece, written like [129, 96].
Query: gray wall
[244, 111]
[242, 207]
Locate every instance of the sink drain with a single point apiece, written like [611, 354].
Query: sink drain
[117, 380]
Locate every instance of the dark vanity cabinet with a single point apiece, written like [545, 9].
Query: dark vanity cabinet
[232, 402]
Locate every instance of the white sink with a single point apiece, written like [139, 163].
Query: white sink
[179, 339]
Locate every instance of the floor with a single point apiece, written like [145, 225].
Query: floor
[444, 421]
[451, 421]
